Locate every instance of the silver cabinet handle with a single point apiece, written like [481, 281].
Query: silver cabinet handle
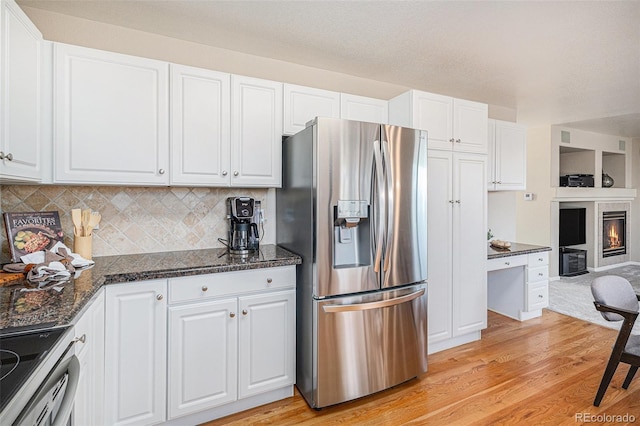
[457, 201]
[8, 156]
[540, 274]
[205, 288]
[457, 140]
[540, 259]
[244, 312]
[374, 305]
[451, 201]
[159, 297]
[452, 140]
[161, 171]
[236, 173]
[224, 173]
[232, 314]
[507, 263]
[499, 182]
[1, 155]
[81, 339]
[541, 296]
[269, 280]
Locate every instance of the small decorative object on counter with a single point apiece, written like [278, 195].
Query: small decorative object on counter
[489, 235]
[500, 244]
[607, 181]
[84, 221]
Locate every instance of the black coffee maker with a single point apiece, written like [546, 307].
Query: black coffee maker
[243, 231]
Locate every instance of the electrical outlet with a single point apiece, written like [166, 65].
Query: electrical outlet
[528, 196]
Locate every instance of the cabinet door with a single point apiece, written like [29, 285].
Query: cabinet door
[469, 243]
[21, 95]
[302, 104]
[361, 108]
[203, 356]
[491, 158]
[256, 132]
[267, 342]
[200, 126]
[440, 253]
[111, 118]
[136, 347]
[88, 404]
[510, 156]
[470, 120]
[434, 113]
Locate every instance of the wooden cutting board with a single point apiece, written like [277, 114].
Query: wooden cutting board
[8, 277]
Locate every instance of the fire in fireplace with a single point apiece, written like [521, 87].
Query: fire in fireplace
[613, 233]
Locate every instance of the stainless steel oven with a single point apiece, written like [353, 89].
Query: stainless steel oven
[39, 377]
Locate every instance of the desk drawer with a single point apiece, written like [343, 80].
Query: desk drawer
[540, 273]
[538, 296]
[538, 259]
[506, 262]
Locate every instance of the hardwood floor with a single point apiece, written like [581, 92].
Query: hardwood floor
[542, 371]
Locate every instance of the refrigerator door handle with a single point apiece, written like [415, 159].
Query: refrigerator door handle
[374, 305]
[379, 210]
[389, 205]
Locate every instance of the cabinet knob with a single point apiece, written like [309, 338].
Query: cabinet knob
[541, 296]
[507, 263]
[205, 288]
[80, 339]
[224, 173]
[540, 259]
[540, 274]
[457, 201]
[499, 182]
[236, 173]
[161, 171]
[8, 156]
[232, 314]
[159, 297]
[452, 140]
[457, 140]
[269, 280]
[244, 312]
[451, 201]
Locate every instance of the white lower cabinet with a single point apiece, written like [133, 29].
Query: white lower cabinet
[231, 339]
[89, 402]
[136, 353]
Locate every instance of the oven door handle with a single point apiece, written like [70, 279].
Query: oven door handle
[373, 305]
[70, 364]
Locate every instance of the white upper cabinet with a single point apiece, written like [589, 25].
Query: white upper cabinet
[302, 104]
[256, 132]
[452, 124]
[361, 108]
[507, 156]
[111, 118]
[200, 126]
[21, 96]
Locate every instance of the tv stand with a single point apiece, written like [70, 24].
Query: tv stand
[573, 262]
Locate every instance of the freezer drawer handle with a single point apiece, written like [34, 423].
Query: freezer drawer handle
[373, 305]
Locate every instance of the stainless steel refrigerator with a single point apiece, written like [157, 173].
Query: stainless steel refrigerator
[353, 205]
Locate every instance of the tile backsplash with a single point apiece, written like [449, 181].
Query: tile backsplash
[138, 219]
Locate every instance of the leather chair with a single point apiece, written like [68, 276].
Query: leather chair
[617, 301]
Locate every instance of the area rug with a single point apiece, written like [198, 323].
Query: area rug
[572, 295]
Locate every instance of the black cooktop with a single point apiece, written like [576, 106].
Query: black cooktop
[20, 354]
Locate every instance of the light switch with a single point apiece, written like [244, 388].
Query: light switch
[528, 196]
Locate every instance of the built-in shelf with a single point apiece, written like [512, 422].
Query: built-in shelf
[594, 194]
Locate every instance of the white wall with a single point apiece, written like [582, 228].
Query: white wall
[502, 215]
[635, 205]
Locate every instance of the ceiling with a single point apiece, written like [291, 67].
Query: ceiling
[555, 62]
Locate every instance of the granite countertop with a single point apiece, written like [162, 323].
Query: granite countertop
[52, 308]
[516, 249]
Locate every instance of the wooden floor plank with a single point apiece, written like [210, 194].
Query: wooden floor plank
[544, 372]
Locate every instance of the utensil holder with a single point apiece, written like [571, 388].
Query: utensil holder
[82, 246]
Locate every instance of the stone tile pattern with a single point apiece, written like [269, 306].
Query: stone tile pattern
[134, 219]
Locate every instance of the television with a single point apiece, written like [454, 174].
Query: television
[572, 227]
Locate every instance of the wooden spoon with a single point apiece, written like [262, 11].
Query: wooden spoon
[94, 220]
[76, 218]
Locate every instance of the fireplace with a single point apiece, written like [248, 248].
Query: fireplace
[614, 233]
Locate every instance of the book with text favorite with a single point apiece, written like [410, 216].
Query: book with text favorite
[29, 232]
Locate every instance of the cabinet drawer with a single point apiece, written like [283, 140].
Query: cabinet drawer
[541, 273]
[202, 287]
[538, 296]
[538, 259]
[506, 262]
